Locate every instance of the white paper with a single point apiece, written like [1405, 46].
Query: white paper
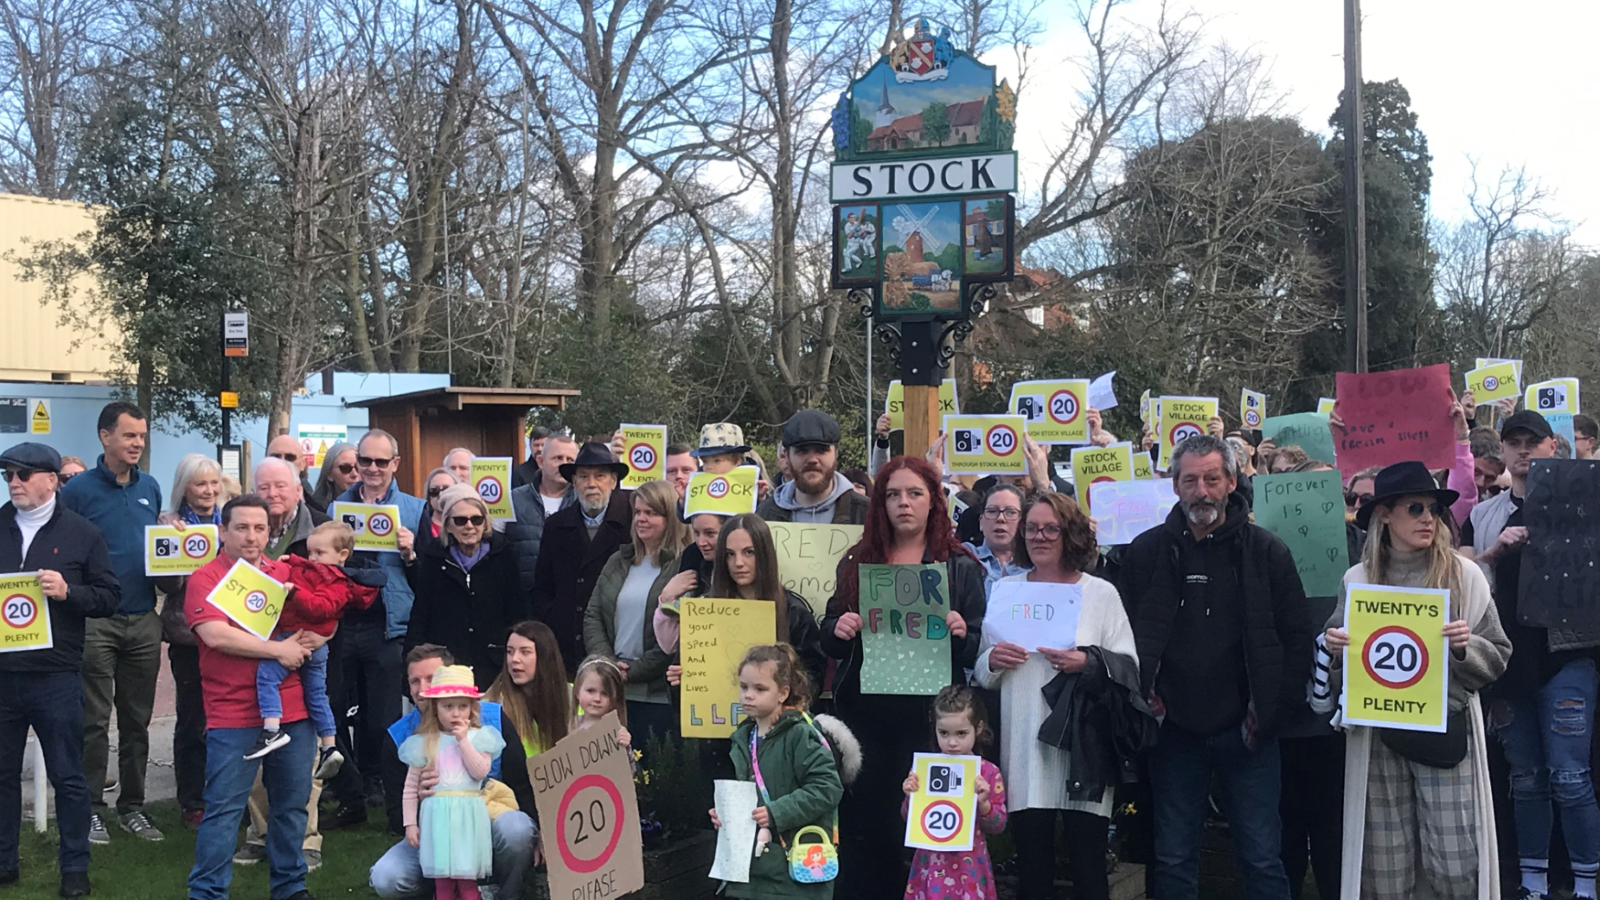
[1101, 395]
[1034, 614]
[736, 840]
[1123, 510]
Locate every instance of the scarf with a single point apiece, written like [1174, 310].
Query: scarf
[465, 561]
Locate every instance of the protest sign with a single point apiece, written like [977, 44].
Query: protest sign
[168, 551]
[1102, 394]
[1091, 465]
[1562, 424]
[984, 445]
[376, 527]
[1127, 509]
[1143, 470]
[1181, 419]
[1308, 431]
[589, 814]
[250, 597]
[905, 641]
[1493, 382]
[808, 558]
[943, 812]
[1516, 365]
[1395, 416]
[1325, 405]
[713, 637]
[736, 803]
[490, 476]
[1306, 511]
[1558, 395]
[953, 503]
[1033, 614]
[1396, 669]
[1560, 576]
[895, 406]
[644, 449]
[24, 617]
[730, 494]
[1057, 412]
[1252, 408]
[1144, 407]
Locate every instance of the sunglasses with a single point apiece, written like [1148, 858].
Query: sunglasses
[1357, 499]
[19, 474]
[372, 462]
[1415, 510]
[436, 491]
[463, 521]
[286, 457]
[67, 478]
[346, 468]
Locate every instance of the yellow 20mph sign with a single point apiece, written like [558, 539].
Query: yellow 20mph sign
[1396, 669]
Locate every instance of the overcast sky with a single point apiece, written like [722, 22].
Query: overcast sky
[1506, 83]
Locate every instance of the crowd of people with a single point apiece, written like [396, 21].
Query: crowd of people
[1200, 676]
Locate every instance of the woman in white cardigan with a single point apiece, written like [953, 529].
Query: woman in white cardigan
[1413, 826]
[1058, 543]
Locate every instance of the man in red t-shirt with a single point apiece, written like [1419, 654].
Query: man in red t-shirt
[228, 656]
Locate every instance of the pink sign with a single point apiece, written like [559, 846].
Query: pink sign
[1396, 416]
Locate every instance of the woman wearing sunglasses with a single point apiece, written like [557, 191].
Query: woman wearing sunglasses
[337, 475]
[431, 529]
[1418, 796]
[467, 592]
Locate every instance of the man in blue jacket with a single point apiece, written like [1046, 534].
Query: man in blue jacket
[121, 653]
[373, 657]
[41, 688]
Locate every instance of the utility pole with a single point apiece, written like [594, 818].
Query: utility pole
[1355, 197]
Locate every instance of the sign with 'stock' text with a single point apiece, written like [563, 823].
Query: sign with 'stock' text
[1396, 669]
[24, 616]
[895, 405]
[1495, 381]
[168, 551]
[491, 478]
[1182, 418]
[1093, 465]
[251, 598]
[376, 527]
[985, 445]
[583, 790]
[905, 640]
[808, 558]
[942, 813]
[1057, 412]
[730, 494]
[644, 449]
[715, 634]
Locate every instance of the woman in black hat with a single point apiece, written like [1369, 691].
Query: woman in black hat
[1411, 795]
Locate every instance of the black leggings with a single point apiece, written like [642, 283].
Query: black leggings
[873, 861]
[1311, 806]
[1034, 832]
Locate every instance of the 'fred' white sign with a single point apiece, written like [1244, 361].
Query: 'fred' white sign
[907, 179]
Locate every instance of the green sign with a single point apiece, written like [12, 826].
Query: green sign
[1306, 511]
[1308, 431]
[905, 640]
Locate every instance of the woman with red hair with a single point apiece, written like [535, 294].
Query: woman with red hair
[907, 524]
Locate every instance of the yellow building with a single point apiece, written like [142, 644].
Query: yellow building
[34, 344]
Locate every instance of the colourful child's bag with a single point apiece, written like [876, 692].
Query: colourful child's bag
[813, 862]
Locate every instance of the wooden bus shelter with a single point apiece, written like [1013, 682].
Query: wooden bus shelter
[428, 424]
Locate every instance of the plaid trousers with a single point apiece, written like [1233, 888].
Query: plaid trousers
[1418, 816]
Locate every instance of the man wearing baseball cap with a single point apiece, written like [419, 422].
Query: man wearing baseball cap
[817, 492]
[1545, 701]
[42, 688]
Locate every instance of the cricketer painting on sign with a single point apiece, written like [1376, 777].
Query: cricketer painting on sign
[857, 243]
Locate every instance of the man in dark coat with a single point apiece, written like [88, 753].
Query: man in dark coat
[42, 688]
[1225, 650]
[576, 543]
[544, 495]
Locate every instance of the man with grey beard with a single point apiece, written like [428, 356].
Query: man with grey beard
[1225, 648]
[576, 543]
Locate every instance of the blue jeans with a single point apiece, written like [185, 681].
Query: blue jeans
[313, 683]
[1546, 738]
[229, 777]
[397, 875]
[53, 705]
[1182, 768]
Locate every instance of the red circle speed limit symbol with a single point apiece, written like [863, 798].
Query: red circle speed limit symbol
[196, 546]
[1252, 419]
[942, 819]
[718, 488]
[642, 457]
[20, 611]
[589, 823]
[488, 489]
[1395, 657]
[1182, 432]
[1490, 382]
[1063, 407]
[1002, 440]
[255, 601]
[380, 524]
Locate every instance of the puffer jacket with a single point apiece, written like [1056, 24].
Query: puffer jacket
[527, 532]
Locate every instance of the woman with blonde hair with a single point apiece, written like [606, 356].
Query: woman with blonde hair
[618, 621]
[1418, 813]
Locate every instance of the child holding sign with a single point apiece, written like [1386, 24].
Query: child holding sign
[451, 829]
[598, 689]
[959, 725]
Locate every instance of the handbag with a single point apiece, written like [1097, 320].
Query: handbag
[1440, 750]
[809, 862]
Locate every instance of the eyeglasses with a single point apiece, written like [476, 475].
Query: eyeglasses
[436, 491]
[463, 521]
[286, 457]
[1414, 510]
[372, 462]
[346, 468]
[18, 474]
[1045, 531]
[1004, 514]
[1357, 499]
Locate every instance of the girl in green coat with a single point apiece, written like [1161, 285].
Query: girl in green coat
[785, 755]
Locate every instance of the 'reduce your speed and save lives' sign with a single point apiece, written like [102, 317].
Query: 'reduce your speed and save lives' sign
[589, 814]
[1397, 667]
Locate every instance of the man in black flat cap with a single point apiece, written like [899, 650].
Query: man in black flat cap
[42, 688]
[817, 492]
[576, 543]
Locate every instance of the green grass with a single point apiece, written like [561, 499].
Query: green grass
[131, 869]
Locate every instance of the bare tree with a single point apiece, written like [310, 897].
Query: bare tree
[47, 50]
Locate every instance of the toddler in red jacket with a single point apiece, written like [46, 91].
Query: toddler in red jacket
[322, 588]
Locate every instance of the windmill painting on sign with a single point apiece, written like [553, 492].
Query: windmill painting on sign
[922, 256]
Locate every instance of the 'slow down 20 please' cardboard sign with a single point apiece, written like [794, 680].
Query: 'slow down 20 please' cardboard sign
[589, 814]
